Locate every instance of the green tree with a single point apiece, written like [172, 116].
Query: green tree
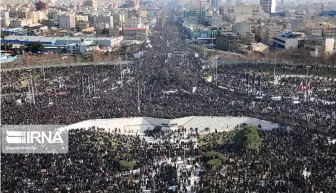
[214, 162]
[202, 50]
[35, 47]
[247, 138]
[127, 165]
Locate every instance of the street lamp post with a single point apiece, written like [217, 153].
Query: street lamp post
[216, 58]
[229, 45]
[121, 76]
[276, 54]
[307, 93]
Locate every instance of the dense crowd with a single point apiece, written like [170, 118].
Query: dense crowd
[296, 160]
[168, 82]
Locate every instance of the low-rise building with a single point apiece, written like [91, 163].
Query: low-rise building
[231, 41]
[82, 18]
[135, 33]
[82, 47]
[58, 41]
[319, 46]
[242, 27]
[289, 40]
[20, 22]
[259, 48]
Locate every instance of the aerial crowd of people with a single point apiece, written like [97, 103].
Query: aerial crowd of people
[170, 81]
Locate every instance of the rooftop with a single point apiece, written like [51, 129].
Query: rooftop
[53, 39]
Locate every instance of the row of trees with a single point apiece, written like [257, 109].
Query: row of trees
[244, 139]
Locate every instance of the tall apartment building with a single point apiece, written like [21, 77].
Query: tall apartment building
[265, 32]
[39, 5]
[37, 16]
[91, 3]
[66, 21]
[215, 3]
[329, 30]
[315, 29]
[268, 5]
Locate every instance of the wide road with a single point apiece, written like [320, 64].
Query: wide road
[115, 62]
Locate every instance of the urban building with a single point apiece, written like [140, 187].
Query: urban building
[259, 48]
[329, 30]
[39, 5]
[20, 22]
[233, 42]
[319, 46]
[289, 40]
[91, 3]
[83, 47]
[5, 22]
[119, 19]
[265, 32]
[102, 21]
[84, 18]
[215, 3]
[14, 31]
[244, 10]
[242, 27]
[59, 41]
[133, 22]
[268, 6]
[315, 29]
[18, 14]
[66, 21]
[37, 16]
[4, 15]
[131, 4]
[135, 33]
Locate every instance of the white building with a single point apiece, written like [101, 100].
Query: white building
[37, 16]
[268, 5]
[5, 22]
[66, 21]
[4, 14]
[83, 47]
[61, 41]
[289, 40]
